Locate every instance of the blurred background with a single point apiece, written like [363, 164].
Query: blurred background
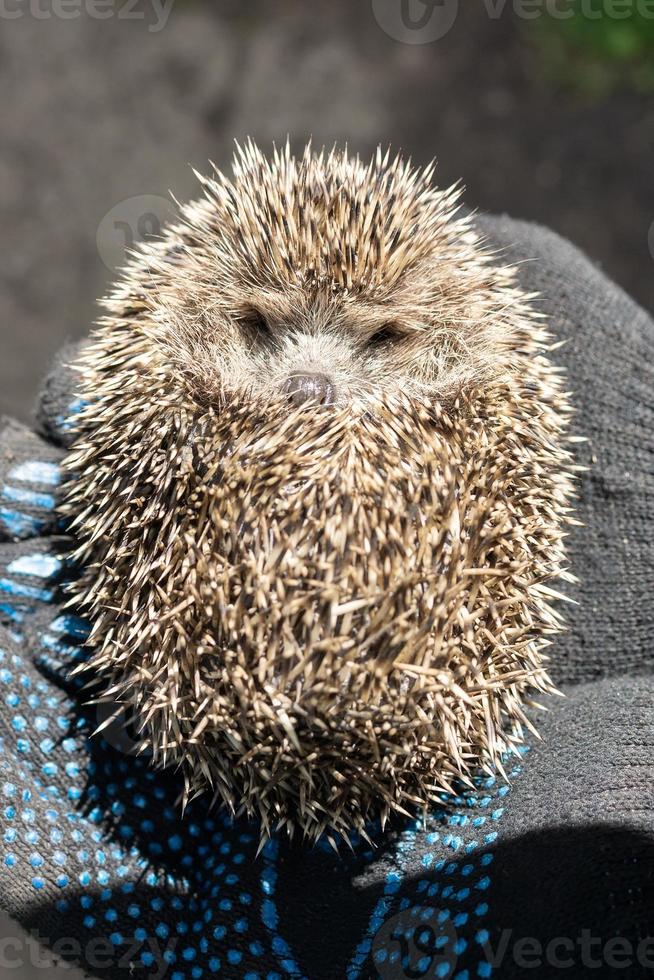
[544, 110]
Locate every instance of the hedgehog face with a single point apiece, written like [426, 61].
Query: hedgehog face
[360, 275]
[316, 347]
[324, 615]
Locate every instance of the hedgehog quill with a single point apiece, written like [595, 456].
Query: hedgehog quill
[320, 490]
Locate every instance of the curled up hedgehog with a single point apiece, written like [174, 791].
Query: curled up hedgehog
[319, 490]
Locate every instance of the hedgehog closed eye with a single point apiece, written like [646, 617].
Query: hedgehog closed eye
[387, 334]
[255, 323]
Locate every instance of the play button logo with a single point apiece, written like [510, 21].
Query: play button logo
[415, 21]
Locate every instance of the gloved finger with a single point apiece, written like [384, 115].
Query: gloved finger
[30, 478]
[58, 400]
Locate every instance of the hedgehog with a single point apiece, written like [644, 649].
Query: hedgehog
[319, 493]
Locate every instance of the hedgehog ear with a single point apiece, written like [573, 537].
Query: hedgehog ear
[59, 398]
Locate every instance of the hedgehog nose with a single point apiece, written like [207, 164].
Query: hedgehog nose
[317, 388]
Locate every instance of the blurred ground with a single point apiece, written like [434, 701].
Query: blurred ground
[96, 111]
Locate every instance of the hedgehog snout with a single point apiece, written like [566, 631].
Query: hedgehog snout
[310, 387]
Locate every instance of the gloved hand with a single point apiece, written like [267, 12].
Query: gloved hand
[553, 873]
